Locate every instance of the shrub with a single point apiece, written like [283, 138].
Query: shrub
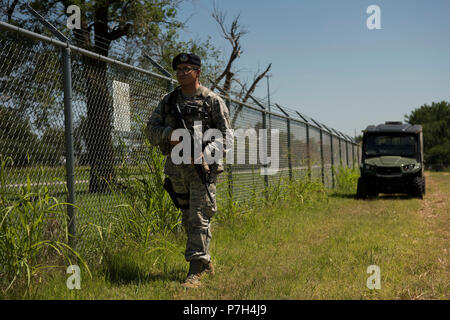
[346, 179]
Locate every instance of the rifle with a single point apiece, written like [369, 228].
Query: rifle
[201, 170]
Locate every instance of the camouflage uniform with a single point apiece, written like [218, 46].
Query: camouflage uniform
[184, 178]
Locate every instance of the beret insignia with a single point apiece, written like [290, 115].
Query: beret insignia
[184, 58]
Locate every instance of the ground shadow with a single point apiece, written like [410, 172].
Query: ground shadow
[343, 195]
[129, 271]
[396, 197]
[379, 197]
[124, 276]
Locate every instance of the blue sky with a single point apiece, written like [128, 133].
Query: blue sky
[328, 65]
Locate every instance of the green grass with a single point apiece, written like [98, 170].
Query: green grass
[33, 236]
[322, 251]
[303, 243]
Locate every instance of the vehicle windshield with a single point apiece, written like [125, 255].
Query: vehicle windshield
[391, 145]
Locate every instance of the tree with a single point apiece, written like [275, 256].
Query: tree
[52, 146]
[169, 46]
[102, 24]
[9, 8]
[17, 139]
[435, 120]
[233, 34]
[110, 21]
[358, 138]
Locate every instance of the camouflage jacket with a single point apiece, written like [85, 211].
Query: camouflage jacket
[162, 122]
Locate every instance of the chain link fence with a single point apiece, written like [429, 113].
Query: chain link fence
[110, 103]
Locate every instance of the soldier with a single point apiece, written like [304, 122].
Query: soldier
[194, 197]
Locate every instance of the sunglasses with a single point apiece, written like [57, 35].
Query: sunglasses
[185, 70]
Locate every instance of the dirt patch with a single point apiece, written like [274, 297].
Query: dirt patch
[433, 199]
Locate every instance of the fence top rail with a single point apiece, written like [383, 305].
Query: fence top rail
[33, 35]
[281, 116]
[90, 54]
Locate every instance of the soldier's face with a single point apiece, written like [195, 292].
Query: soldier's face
[187, 74]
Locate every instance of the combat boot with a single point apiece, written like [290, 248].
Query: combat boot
[208, 268]
[193, 277]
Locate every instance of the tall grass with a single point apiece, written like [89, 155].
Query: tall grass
[145, 219]
[287, 192]
[33, 235]
[283, 192]
[346, 179]
[149, 209]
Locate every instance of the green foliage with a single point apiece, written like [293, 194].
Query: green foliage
[19, 141]
[228, 208]
[16, 136]
[435, 120]
[33, 235]
[52, 146]
[150, 27]
[305, 191]
[438, 156]
[346, 179]
[284, 191]
[144, 17]
[148, 210]
[146, 215]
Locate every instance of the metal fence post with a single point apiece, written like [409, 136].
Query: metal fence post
[346, 152]
[266, 177]
[350, 151]
[229, 165]
[357, 154]
[67, 73]
[332, 161]
[288, 120]
[68, 127]
[322, 162]
[289, 147]
[308, 151]
[353, 151]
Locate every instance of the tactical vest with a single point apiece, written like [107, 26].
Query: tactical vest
[193, 109]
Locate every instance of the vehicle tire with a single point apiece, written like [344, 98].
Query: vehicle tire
[372, 193]
[418, 187]
[424, 185]
[361, 190]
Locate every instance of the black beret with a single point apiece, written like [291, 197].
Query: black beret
[186, 58]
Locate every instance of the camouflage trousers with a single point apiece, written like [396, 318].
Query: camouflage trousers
[196, 219]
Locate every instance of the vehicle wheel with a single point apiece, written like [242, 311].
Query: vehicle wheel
[361, 190]
[373, 194]
[424, 185]
[418, 187]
